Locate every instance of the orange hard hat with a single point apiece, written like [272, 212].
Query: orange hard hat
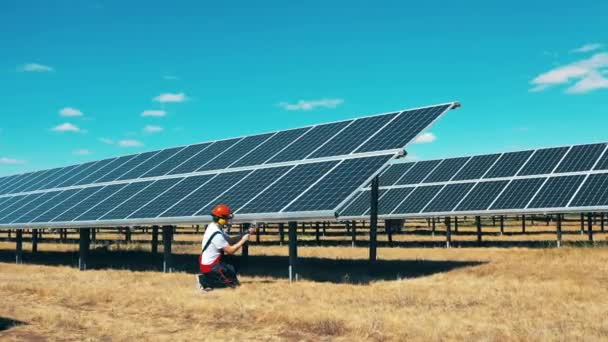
[222, 210]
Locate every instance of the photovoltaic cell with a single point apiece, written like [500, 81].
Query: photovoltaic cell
[82, 171]
[8, 215]
[271, 147]
[176, 160]
[418, 199]
[557, 192]
[169, 198]
[66, 200]
[19, 214]
[140, 199]
[52, 181]
[390, 199]
[518, 193]
[21, 182]
[112, 201]
[593, 193]
[342, 181]
[309, 142]
[192, 203]
[353, 136]
[449, 197]
[358, 206]
[509, 164]
[603, 162]
[543, 161]
[34, 184]
[476, 167]
[393, 173]
[87, 200]
[144, 167]
[101, 169]
[57, 198]
[246, 190]
[418, 172]
[581, 158]
[124, 168]
[204, 156]
[446, 170]
[235, 152]
[482, 196]
[403, 129]
[287, 188]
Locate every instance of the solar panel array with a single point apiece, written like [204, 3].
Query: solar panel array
[559, 179]
[304, 172]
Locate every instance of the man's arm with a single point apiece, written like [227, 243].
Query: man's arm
[232, 248]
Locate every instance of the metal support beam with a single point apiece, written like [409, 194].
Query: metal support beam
[127, 234]
[34, 240]
[456, 224]
[245, 249]
[388, 227]
[433, 226]
[523, 223]
[590, 226]
[19, 246]
[602, 222]
[493, 221]
[167, 240]
[478, 224]
[293, 250]
[559, 230]
[94, 234]
[448, 232]
[318, 233]
[582, 224]
[83, 252]
[502, 225]
[373, 224]
[154, 239]
[353, 232]
[281, 233]
[257, 233]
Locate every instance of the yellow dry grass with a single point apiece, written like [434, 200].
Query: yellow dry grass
[491, 294]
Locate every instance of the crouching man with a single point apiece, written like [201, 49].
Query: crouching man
[217, 273]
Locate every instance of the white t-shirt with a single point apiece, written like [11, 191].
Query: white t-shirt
[215, 247]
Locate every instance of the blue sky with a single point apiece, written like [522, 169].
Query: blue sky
[76, 77]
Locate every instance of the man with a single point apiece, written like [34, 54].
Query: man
[217, 273]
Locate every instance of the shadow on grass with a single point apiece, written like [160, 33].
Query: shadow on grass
[355, 271]
[8, 323]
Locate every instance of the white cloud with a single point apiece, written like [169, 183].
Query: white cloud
[425, 138]
[130, 143]
[5, 160]
[81, 152]
[169, 97]
[106, 141]
[153, 112]
[153, 129]
[588, 48]
[35, 67]
[171, 78]
[66, 127]
[587, 74]
[69, 111]
[311, 104]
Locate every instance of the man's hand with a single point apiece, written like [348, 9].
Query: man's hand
[253, 230]
[245, 238]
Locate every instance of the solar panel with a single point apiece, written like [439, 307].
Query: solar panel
[309, 142]
[581, 158]
[593, 193]
[449, 197]
[404, 128]
[508, 165]
[476, 167]
[418, 172]
[393, 173]
[446, 170]
[288, 188]
[342, 181]
[518, 193]
[166, 200]
[543, 161]
[352, 136]
[304, 172]
[390, 199]
[602, 163]
[482, 196]
[418, 199]
[557, 192]
[358, 206]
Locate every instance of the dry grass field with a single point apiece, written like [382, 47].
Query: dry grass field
[415, 293]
